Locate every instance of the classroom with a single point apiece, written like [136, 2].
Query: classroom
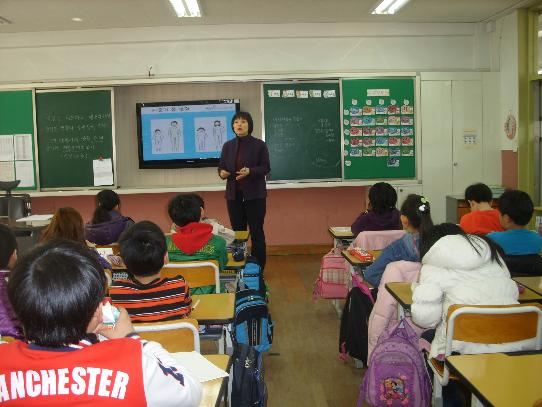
[469, 72]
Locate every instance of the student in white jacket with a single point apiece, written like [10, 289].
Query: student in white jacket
[458, 268]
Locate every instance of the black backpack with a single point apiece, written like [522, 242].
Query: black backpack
[246, 387]
[354, 334]
[252, 324]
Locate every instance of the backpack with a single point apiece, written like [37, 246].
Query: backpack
[246, 387]
[354, 332]
[251, 276]
[252, 323]
[332, 281]
[396, 375]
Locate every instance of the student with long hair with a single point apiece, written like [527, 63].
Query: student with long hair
[107, 222]
[381, 213]
[416, 220]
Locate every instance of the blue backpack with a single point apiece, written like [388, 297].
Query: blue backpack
[251, 276]
[252, 324]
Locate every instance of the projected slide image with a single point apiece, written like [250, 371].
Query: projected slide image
[167, 136]
[211, 133]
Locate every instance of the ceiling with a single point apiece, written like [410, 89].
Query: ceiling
[56, 15]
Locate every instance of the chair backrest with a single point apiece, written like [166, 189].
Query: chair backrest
[376, 240]
[196, 273]
[525, 265]
[494, 324]
[15, 206]
[174, 336]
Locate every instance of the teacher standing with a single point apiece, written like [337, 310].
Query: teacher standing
[244, 163]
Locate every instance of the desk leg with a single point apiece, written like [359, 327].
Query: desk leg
[337, 307]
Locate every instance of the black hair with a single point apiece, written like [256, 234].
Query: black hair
[106, 200]
[382, 197]
[143, 247]
[517, 205]
[55, 290]
[478, 193]
[246, 116]
[8, 244]
[184, 209]
[417, 210]
[432, 235]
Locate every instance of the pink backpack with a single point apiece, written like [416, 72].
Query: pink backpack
[332, 282]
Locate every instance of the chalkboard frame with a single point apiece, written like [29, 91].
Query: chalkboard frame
[330, 80]
[111, 91]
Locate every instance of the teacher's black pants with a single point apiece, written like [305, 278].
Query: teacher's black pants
[251, 213]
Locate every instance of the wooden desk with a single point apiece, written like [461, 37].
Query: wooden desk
[339, 233]
[402, 292]
[27, 234]
[532, 283]
[214, 309]
[355, 262]
[499, 379]
[234, 265]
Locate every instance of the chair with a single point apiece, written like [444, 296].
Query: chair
[486, 324]
[527, 265]
[13, 206]
[377, 239]
[174, 336]
[196, 273]
[7, 339]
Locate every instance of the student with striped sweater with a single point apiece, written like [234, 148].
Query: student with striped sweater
[146, 296]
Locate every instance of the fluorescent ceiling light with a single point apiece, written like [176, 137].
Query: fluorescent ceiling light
[186, 8]
[77, 19]
[389, 6]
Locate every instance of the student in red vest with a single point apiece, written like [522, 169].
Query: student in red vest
[57, 292]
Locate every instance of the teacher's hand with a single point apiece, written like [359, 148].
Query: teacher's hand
[224, 174]
[242, 173]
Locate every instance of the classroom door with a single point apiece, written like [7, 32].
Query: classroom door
[467, 126]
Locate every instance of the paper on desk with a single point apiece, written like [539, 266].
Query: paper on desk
[24, 170]
[200, 367]
[103, 171]
[104, 251]
[35, 218]
[341, 229]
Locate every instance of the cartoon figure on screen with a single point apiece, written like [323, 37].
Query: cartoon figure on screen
[203, 141]
[175, 136]
[157, 141]
[219, 135]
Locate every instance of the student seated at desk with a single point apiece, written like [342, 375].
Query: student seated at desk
[193, 239]
[107, 222]
[9, 324]
[482, 218]
[57, 291]
[516, 212]
[146, 296]
[416, 220]
[381, 213]
[458, 268]
[67, 223]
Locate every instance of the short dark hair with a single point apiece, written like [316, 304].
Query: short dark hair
[382, 197]
[435, 233]
[478, 193]
[143, 247]
[55, 290]
[184, 209]
[517, 205]
[247, 117]
[417, 210]
[8, 244]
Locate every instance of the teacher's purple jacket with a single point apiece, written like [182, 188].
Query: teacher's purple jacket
[255, 156]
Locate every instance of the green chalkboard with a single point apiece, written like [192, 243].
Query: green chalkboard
[74, 128]
[17, 155]
[303, 130]
[379, 126]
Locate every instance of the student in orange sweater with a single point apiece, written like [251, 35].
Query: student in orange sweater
[482, 219]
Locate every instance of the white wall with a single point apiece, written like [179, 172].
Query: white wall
[237, 50]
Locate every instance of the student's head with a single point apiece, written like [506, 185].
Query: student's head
[185, 208]
[516, 208]
[242, 123]
[435, 233]
[106, 201]
[67, 223]
[382, 197]
[56, 291]
[416, 214]
[143, 249]
[8, 248]
[476, 194]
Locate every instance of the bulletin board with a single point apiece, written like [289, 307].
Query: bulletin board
[379, 128]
